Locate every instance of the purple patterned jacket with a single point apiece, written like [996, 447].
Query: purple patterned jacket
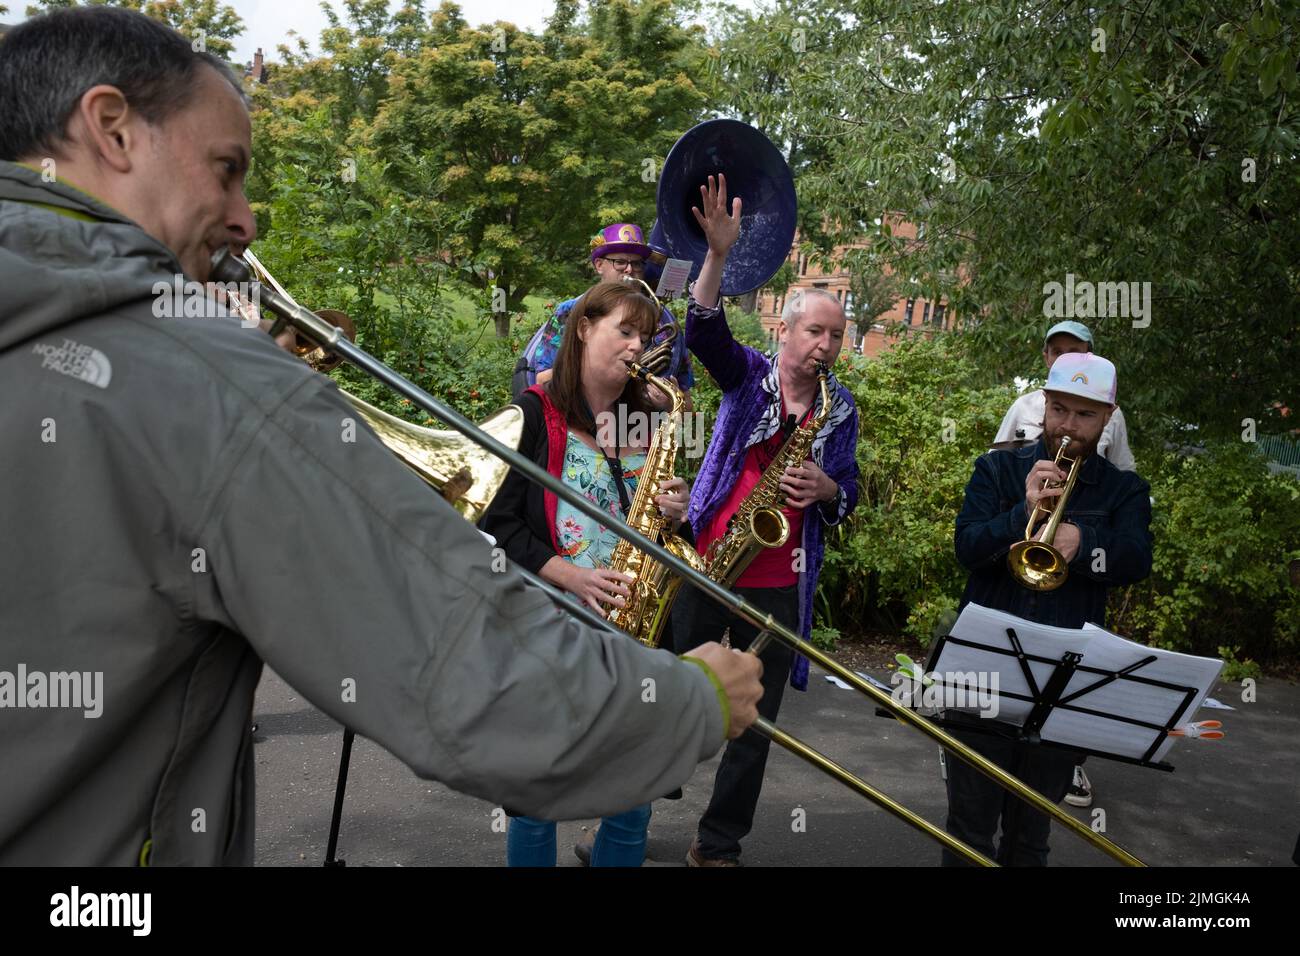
[749, 412]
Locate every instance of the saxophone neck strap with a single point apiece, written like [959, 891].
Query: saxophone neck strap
[615, 466]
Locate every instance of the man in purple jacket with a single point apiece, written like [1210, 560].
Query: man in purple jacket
[764, 399]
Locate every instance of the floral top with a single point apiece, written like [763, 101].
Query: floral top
[582, 541]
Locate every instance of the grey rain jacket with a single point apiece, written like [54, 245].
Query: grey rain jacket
[178, 504]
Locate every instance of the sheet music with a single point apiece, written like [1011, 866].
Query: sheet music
[672, 280]
[1153, 704]
[1100, 649]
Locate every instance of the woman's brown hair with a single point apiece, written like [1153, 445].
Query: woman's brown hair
[565, 386]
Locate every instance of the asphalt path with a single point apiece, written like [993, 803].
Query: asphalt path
[1231, 802]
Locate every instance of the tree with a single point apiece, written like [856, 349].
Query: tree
[1109, 142]
[873, 289]
[523, 145]
[215, 24]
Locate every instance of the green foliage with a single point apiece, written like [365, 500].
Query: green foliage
[1225, 532]
[523, 145]
[891, 565]
[1235, 670]
[1154, 143]
[748, 329]
[825, 638]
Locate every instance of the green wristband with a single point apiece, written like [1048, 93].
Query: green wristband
[717, 686]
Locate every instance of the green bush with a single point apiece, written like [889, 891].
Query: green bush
[891, 566]
[1225, 531]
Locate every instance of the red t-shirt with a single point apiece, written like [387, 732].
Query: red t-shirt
[774, 567]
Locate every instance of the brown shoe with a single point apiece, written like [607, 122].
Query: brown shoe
[693, 858]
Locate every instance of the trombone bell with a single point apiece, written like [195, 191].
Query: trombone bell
[462, 471]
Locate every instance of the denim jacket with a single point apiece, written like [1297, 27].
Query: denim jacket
[1111, 508]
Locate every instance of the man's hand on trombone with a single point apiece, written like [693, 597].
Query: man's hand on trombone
[739, 675]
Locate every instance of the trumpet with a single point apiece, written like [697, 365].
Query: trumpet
[228, 268]
[1035, 562]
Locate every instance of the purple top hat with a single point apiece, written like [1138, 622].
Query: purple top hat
[620, 237]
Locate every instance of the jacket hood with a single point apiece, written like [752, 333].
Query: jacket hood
[55, 268]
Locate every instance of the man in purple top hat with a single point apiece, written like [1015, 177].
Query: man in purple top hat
[618, 251]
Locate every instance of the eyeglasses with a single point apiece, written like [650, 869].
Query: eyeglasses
[634, 265]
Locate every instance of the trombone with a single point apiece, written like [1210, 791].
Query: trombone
[227, 268]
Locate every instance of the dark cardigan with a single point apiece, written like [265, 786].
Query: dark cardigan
[522, 515]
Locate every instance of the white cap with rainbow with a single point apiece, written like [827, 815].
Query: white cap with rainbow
[1084, 374]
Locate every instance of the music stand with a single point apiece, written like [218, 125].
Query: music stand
[1119, 711]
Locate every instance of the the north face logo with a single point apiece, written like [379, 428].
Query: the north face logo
[80, 361]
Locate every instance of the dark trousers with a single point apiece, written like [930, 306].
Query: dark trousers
[736, 786]
[976, 803]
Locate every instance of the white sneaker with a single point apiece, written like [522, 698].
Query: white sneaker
[1080, 792]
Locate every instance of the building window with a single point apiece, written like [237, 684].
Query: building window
[907, 314]
[925, 314]
[938, 314]
[803, 264]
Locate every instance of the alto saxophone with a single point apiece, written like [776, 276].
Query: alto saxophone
[759, 523]
[654, 590]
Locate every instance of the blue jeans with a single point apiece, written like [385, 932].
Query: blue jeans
[620, 841]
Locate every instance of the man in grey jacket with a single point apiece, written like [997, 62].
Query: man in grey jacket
[182, 500]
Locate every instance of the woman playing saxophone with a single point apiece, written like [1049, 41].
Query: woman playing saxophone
[567, 430]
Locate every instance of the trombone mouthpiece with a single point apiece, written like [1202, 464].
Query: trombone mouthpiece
[228, 267]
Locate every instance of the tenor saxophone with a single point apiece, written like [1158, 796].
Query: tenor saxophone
[759, 523]
[654, 589]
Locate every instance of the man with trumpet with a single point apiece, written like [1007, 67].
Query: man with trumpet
[183, 500]
[1104, 540]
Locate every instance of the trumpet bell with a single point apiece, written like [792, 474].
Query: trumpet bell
[1037, 566]
[462, 471]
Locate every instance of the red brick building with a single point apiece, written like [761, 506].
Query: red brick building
[906, 315]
